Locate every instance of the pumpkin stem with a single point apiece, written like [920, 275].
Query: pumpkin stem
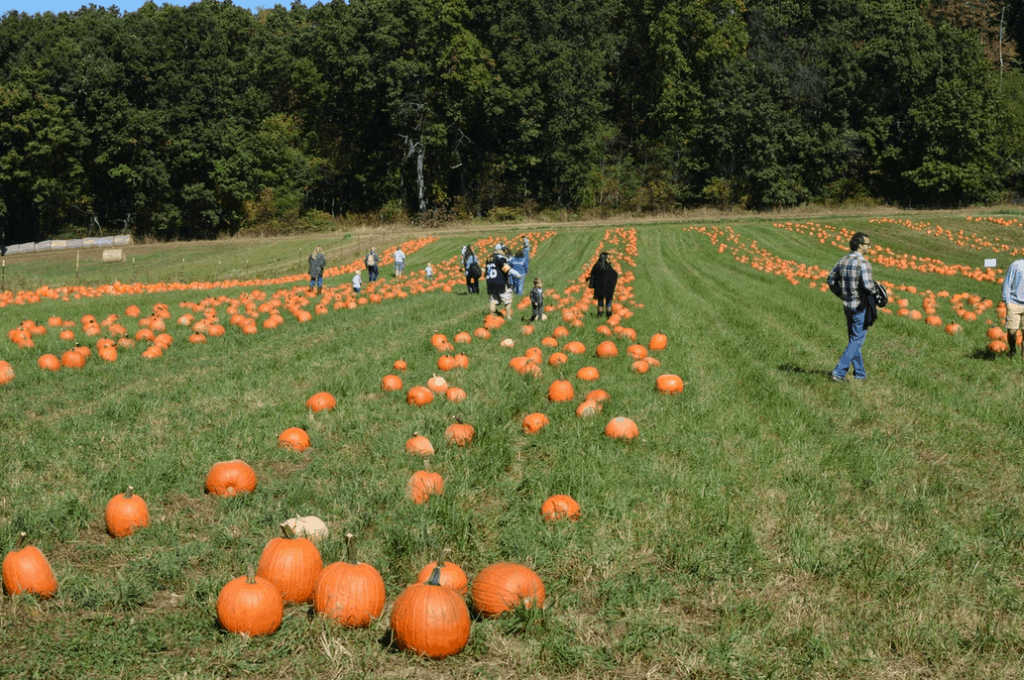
[250, 574]
[435, 577]
[440, 558]
[287, 531]
[350, 541]
[21, 540]
[128, 494]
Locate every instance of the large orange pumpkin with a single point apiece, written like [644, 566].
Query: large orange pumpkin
[125, 513]
[430, 619]
[26, 570]
[504, 586]
[292, 564]
[294, 438]
[350, 592]
[230, 477]
[321, 401]
[560, 506]
[250, 605]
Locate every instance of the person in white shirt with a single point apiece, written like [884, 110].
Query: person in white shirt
[1013, 296]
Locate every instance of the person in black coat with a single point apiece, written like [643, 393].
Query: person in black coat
[602, 279]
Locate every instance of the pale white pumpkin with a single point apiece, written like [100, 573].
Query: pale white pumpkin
[310, 526]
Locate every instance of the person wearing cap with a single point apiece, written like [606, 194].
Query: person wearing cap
[497, 272]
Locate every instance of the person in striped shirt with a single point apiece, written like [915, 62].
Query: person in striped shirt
[851, 281]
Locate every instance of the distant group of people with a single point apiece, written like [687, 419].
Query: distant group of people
[503, 271]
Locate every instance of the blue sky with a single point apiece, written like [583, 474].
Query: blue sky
[56, 6]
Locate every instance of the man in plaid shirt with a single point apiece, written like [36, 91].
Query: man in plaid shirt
[851, 281]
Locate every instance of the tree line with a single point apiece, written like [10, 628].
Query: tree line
[189, 122]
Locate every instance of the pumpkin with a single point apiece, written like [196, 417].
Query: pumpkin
[463, 337]
[462, 361]
[549, 342]
[640, 366]
[230, 477]
[995, 333]
[575, 347]
[438, 339]
[603, 330]
[953, 328]
[197, 338]
[250, 605]
[526, 330]
[6, 373]
[294, 438]
[423, 484]
[72, 359]
[310, 526]
[391, 383]
[588, 373]
[446, 362]
[49, 362]
[636, 352]
[292, 564]
[451, 574]
[559, 507]
[560, 390]
[534, 422]
[557, 359]
[587, 408]
[152, 352]
[400, 365]
[598, 395]
[350, 592]
[26, 570]
[437, 384]
[419, 395]
[508, 342]
[658, 341]
[455, 394]
[419, 445]
[669, 383]
[108, 354]
[482, 333]
[321, 401]
[607, 350]
[459, 433]
[430, 619]
[125, 513]
[998, 347]
[501, 587]
[534, 354]
[621, 428]
[560, 332]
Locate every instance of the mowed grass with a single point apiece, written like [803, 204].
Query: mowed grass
[767, 523]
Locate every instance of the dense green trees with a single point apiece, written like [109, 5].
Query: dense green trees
[186, 122]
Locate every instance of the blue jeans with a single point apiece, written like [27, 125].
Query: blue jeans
[373, 273]
[851, 355]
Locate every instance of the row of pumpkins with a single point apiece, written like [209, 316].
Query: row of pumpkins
[430, 617]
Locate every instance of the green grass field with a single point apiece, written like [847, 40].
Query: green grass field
[767, 523]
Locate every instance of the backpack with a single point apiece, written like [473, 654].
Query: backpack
[371, 260]
[474, 270]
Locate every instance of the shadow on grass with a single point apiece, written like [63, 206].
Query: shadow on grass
[800, 370]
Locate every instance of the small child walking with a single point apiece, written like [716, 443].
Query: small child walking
[429, 271]
[537, 301]
[357, 283]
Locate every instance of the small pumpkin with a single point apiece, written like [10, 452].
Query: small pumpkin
[423, 484]
[451, 574]
[250, 605]
[588, 373]
[598, 395]
[230, 477]
[125, 513]
[72, 359]
[587, 408]
[669, 383]
[437, 384]
[534, 422]
[6, 373]
[557, 359]
[607, 350]
[292, 564]
[321, 401]
[459, 433]
[636, 352]
[399, 365]
[294, 438]
[560, 506]
[391, 383]
[419, 445]
[659, 341]
[350, 592]
[419, 395]
[49, 362]
[621, 428]
[455, 394]
[501, 587]
[26, 570]
[430, 619]
[561, 390]
[575, 347]
[640, 366]
[310, 526]
[446, 362]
